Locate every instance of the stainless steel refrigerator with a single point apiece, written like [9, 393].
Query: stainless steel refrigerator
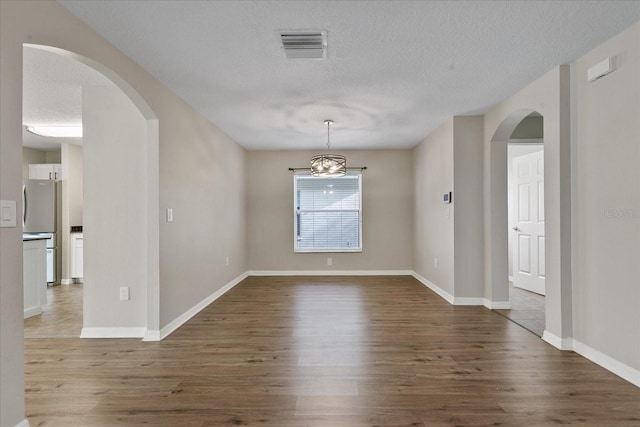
[40, 216]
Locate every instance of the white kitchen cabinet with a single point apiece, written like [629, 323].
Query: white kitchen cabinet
[45, 171]
[34, 271]
[77, 256]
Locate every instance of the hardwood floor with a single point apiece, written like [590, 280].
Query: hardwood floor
[527, 310]
[61, 317]
[325, 351]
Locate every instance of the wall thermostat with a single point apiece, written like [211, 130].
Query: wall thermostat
[447, 197]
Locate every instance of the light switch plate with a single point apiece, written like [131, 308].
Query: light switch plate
[7, 213]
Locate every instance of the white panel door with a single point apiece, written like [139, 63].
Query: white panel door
[528, 250]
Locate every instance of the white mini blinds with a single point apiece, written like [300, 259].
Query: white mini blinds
[327, 213]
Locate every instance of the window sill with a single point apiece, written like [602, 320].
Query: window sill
[324, 251]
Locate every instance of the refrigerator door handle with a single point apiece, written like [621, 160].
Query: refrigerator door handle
[24, 205]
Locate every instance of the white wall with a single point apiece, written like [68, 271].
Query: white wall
[115, 228]
[387, 215]
[606, 214]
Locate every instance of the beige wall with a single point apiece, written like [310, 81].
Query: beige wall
[433, 176]
[450, 159]
[202, 178]
[387, 217]
[53, 156]
[115, 228]
[468, 215]
[529, 128]
[11, 171]
[606, 186]
[31, 156]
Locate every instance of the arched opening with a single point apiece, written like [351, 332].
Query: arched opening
[526, 232]
[549, 96]
[557, 211]
[121, 208]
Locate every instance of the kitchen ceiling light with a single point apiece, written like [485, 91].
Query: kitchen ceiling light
[56, 131]
[328, 164]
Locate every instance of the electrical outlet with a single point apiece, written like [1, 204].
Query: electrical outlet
[169, 215]
[435, 262]
[124, 293]
[329, 261]
[226, 261]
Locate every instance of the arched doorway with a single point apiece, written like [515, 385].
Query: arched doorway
[557, 201]
[121, 210]
[526, 231]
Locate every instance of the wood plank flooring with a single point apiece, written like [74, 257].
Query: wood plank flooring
[334, 351]
[61, 317]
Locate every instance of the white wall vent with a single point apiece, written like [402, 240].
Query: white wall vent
[601, 69]
[304, 44]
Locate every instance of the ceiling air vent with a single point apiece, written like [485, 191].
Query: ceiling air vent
[304, 44]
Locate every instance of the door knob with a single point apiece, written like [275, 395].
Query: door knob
[516, 229]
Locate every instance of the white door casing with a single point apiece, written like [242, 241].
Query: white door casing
[529, 244]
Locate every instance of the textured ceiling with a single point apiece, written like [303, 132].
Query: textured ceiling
[395, 70]
[51, 88]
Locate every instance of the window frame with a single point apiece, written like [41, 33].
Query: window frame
[296, 249]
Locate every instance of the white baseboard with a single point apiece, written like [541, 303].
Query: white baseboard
[330, 273]
[184, 317]
[151, 335]
[23, 423]
[557, 342]
[437, 289]
[33, 311]
[468, 301]
[622, 370]
[66, 281]
[496, 305]
[491, 305]
[113, 332]
[447, 296]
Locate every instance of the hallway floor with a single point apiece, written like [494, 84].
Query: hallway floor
[527, 310]
[61, 317]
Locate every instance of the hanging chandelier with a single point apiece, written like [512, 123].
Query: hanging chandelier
[328, 164]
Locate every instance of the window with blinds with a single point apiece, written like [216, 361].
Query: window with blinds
[327, 213]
